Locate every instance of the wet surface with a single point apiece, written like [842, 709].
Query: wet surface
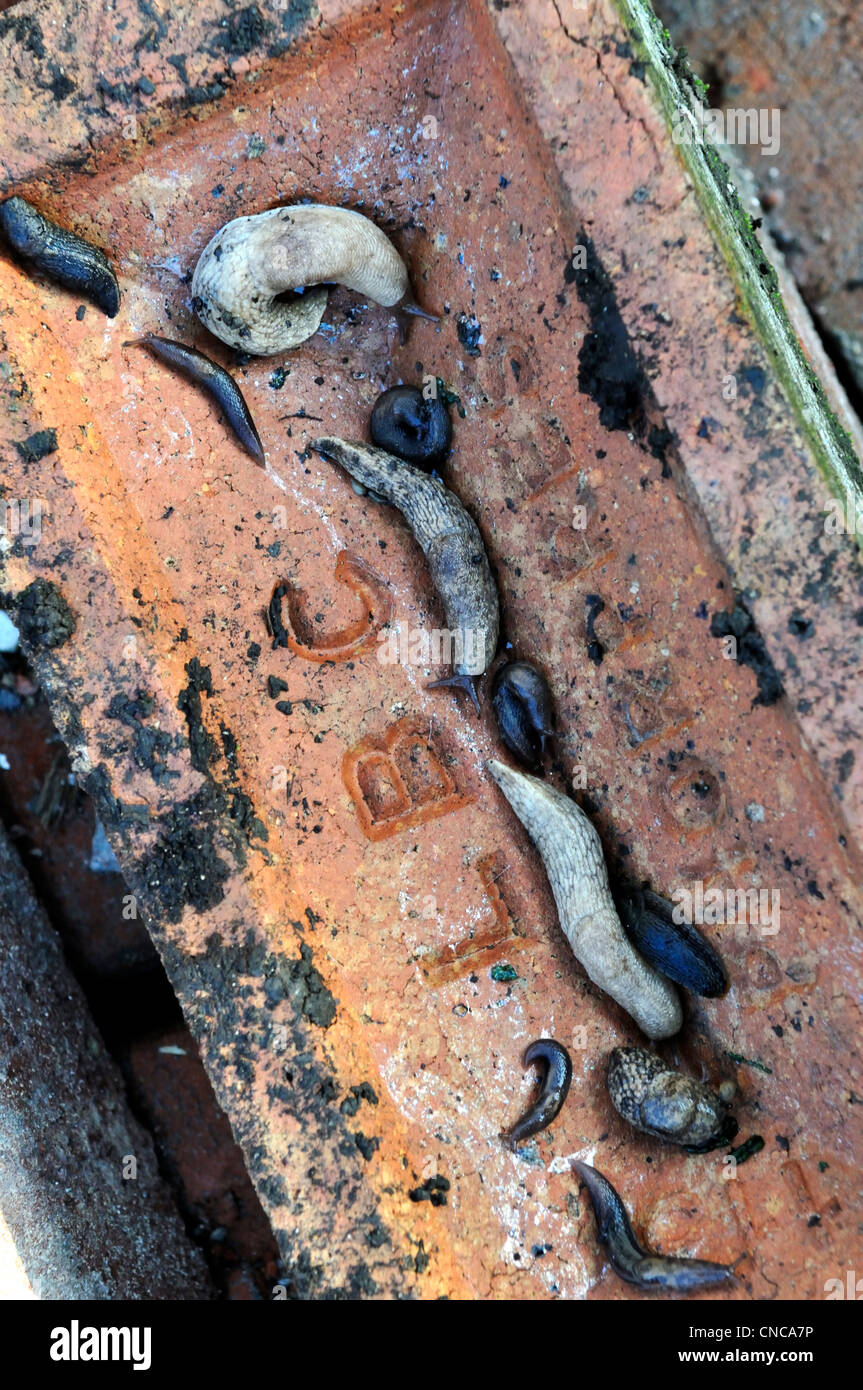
[344, 843]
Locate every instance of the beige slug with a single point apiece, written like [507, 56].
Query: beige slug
[251, 261]
[572, 854]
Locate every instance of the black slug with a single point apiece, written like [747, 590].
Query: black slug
[405, 423]
[522, 703]
[553, 1092]
[661, 1101]
[642, 1267]
[451, 542]
[61, 255]
[676, 948]
[215, 380]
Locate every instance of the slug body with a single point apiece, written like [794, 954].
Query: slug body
[451, 542]
[661, 1101]
[251, 261]
[678, 949]
[215, 380]
[523, 706]
[405, 423]
[554, 1090]
[572, 854]
[637, 1266]
[61, 255]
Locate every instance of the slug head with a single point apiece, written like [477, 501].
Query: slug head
[469, 684]
[523, 705]
[406, 311]
[405, 423]
[23, 225]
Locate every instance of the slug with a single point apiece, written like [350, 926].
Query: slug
[61, 255]
[643, 1268]
[451, 542]
[405, 423]
[522, 703]
[662, 1102]
[554, 1090]
[252, 261]
[572, 854]
[678, 949]
[213, 379]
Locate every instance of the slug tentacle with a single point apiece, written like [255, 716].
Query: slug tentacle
[553, 1093]
[215, 380]
[572, 854]
[638, 1266]
[660, 1101]
[522, 703]
[451, 542]
[61, 255]
[678, 949]
[251, 261]
[405, 423]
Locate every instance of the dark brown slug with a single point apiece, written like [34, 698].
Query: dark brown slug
[215, 380]
[451, 542]
[678, 949]
[660, 1101]
[643, 1268]
[62, 256]
[553, 1092]
[407, 424]
[523, 706]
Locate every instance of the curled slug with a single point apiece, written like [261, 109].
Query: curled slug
[678, 949]
[661, 1101]
[451, 542]
[643, 1268]
[213, 379]
[405, 423]
[522, 703]
[572, 854]
[61, 255]
[554, 1090]
[252, 261]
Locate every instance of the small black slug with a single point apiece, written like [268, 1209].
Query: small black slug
[61, 255]
[661, 1101]
[522, 703]
[676, 948]
[637, 1266]
[553, 1092]
[406, 424]
[215, 380]
[451, 542]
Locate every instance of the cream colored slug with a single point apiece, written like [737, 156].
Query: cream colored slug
[251, 261]
[572, 854]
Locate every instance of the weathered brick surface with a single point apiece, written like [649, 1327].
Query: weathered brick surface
[806, 61]
[338, 973]
[196, 1148]
[82, 1225]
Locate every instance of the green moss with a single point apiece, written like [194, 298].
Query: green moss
[674, 84]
